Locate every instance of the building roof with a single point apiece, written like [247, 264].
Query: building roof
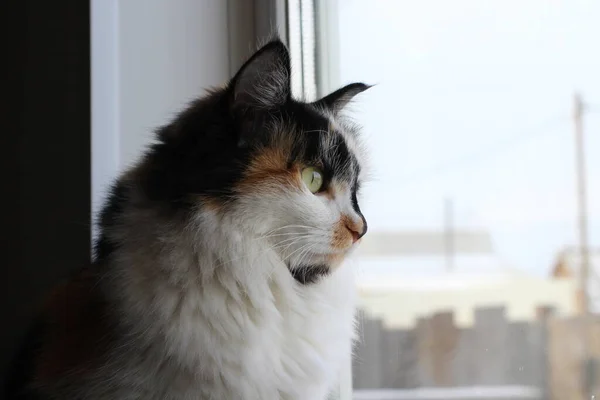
[420, 260]
[425, 243]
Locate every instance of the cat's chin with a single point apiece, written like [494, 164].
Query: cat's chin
[314, 271]
[310, 273]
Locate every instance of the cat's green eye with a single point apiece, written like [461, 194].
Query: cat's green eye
[312, 178]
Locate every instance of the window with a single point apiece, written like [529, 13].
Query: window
[480, 277]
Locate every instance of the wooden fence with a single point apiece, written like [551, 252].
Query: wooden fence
[545, 354]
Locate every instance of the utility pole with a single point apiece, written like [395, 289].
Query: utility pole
[449, 234]
[584, 256]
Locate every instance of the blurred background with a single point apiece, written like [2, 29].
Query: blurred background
[480, 276]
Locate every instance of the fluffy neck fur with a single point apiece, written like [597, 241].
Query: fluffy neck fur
[198, 301]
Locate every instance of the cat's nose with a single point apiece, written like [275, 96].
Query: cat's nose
[357, 230]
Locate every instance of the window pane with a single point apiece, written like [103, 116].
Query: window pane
[471, 274]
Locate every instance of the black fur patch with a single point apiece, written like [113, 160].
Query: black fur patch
[357, 208]
[307, 274]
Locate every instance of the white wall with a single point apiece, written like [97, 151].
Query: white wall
[105, 91]
[149, 58]
[170, 51]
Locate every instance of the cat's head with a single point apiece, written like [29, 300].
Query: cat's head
[285, 171]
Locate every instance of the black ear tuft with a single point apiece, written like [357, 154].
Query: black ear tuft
[337, 100]
[264, 80]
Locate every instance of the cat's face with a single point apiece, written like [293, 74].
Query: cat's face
[300, 188]
[286, 172]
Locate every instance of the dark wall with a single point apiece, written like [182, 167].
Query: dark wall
[45, 156]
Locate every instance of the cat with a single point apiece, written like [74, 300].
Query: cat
[217, 273]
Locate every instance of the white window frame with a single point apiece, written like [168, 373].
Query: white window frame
[313, 39]
[317, 46]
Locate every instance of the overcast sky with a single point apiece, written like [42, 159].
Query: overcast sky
[474, 102]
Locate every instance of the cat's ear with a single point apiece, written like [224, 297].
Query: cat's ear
[337, 100]
[264, 80]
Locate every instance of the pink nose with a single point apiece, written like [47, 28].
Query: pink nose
[356, 235]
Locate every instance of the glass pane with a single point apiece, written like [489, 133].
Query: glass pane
[482, 203]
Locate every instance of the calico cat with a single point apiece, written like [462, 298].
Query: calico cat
[217, 271]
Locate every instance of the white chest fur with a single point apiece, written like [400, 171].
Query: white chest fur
[244, 329]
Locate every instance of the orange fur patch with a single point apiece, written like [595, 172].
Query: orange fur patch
[342, 238]
[211, 204]
[270, 165]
